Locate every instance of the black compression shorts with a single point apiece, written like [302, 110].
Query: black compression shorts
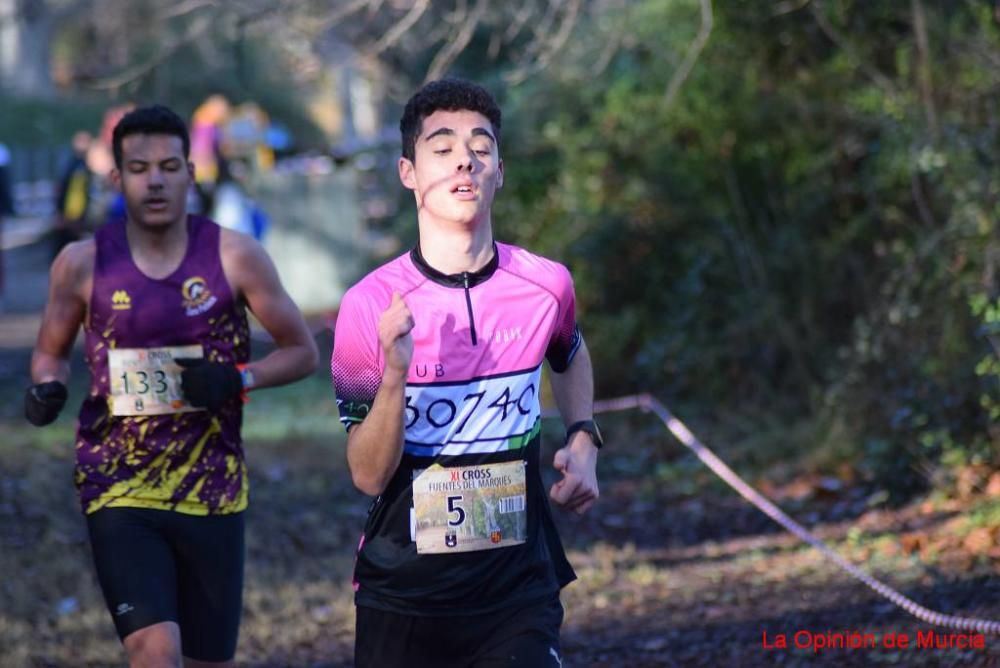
[162, 566]
[522, 637]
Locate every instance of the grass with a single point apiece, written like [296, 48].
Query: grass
[674, 569]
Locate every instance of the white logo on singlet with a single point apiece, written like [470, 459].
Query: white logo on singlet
[554, 653]
[505, 335]
[122, 609]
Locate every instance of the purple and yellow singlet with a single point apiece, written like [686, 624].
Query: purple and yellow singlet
[139, 444]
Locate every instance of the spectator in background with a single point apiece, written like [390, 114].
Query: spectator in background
[6, 205]
[233, 207]
[73, 195]
[110, 203]
[206, 146]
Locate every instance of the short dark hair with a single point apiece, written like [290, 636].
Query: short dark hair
[153, 120]
[448, 95]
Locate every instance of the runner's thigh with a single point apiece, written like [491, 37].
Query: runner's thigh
[135, 566]
[210, 551]
[524, 637]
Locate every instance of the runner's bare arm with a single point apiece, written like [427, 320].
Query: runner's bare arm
[70, 281]
[375, 446]
[253, 277]
[577, 460]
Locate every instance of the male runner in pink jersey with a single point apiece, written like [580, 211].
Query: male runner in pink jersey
[436, 365]
[162, 297]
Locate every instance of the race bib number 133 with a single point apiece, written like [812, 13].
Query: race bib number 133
[147, 381]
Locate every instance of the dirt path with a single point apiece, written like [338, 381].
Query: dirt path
[663, 581]
[674, 569]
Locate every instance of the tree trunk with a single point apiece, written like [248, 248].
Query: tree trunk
[25, 35]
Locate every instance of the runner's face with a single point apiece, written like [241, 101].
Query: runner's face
[457, 167]
[154, 178]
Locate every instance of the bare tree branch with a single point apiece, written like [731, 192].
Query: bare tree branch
[398, 30]
[548, 47]
[551, 47]
[195, 30]
[691, 57]
[788, 6]
[496, 41]
[543, 28]
[924, 67]
[182, 8]
[343, 12]
[521, 17]
[920, 199]
[609, 51]
[446, 56]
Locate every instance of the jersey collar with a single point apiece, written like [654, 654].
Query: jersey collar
[455, 280]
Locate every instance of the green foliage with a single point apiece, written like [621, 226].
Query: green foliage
[805, 227]
[988, 368]
[45, 123]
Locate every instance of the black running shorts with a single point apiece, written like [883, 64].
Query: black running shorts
[525, 637]
[162, 566]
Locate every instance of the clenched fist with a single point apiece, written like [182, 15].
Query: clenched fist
[394, 327]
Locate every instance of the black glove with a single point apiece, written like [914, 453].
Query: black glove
[42, 402]
[209, 384]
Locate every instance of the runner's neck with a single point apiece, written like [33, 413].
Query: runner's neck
[157, 252]
[455, 252]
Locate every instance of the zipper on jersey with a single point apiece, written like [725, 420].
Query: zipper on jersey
[468, 304]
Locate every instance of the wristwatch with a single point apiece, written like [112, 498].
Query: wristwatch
[589, 426]
[246, 377]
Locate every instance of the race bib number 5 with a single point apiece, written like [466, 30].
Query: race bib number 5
[468, 508]
[147, 381]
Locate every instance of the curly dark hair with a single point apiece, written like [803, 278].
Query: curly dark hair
[448, 95]
[153, 120]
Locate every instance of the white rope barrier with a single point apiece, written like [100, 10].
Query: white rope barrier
[647, 402]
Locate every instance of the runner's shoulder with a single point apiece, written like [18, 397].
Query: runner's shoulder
[377, 287]
[548, 274]
[75, 262]
[234, 242]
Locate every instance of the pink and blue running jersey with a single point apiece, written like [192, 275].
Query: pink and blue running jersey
[472, 398]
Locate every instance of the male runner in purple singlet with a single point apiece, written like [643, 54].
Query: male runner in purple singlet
[162, 297]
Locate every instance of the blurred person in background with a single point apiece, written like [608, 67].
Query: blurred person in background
[6, 207]
[232, 206]
[73, 195]
[207, 125]
[110, 202]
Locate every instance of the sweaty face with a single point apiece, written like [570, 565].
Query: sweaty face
[154, 178]
[457, 167]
